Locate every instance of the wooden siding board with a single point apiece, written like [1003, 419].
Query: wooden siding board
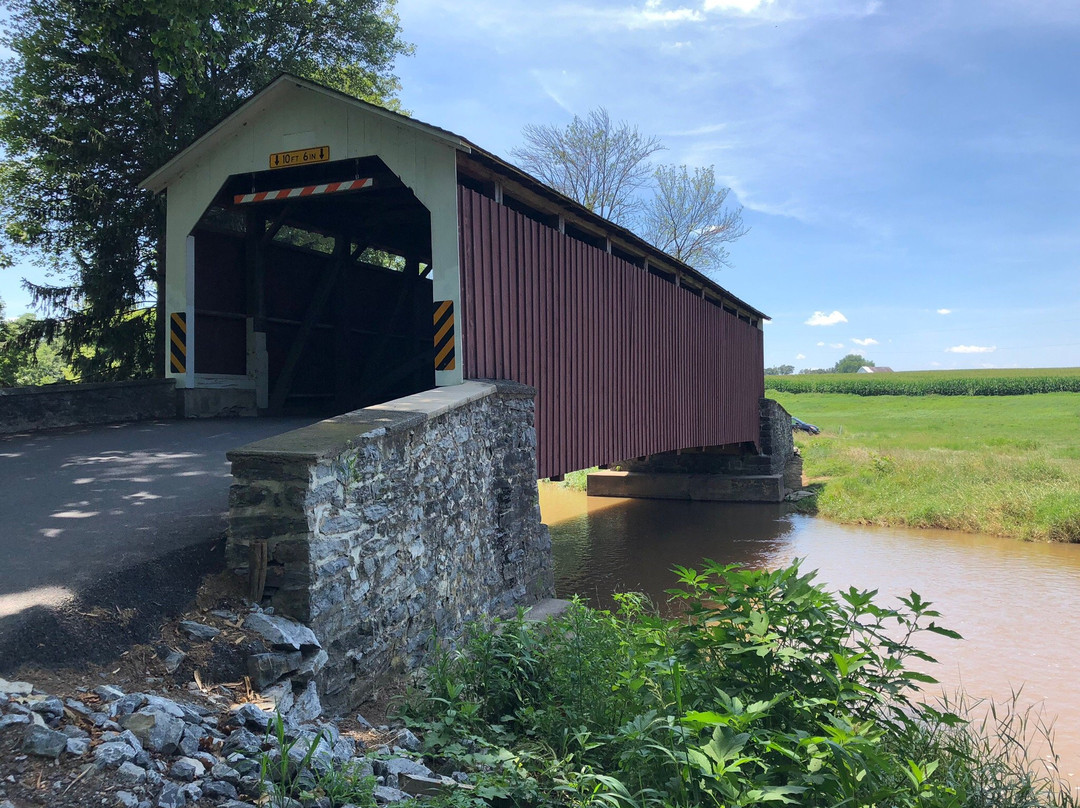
[625, 363]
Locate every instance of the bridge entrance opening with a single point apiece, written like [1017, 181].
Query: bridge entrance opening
[314, 284]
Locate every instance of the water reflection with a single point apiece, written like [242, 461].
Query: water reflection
[631, 545]
[1017, 604]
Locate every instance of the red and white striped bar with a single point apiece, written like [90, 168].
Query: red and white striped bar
[307, 190]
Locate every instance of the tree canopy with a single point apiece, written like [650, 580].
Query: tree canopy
[780, 370]
[686, 217]
[23, 363]
[851, 364]
[99, 93]
[605, 166]
[593, 160]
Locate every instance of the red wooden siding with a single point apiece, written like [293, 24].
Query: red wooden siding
[625, 363]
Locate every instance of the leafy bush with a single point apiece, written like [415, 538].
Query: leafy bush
[769, 690]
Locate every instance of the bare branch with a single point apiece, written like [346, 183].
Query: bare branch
[687, 218]
[593, 160]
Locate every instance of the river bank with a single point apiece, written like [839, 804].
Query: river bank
[764, 688]
[1001, 465]
[994, 591]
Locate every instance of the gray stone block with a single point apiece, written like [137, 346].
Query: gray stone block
[113, 753]
[157, 730]
[198, 631]
[306, 706]
[77, 747]
[265, 669]
[130, 774]
[281, 633]
[44, 742]
[171, 796]
[186, 769]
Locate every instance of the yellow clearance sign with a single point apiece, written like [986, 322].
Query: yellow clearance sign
[300, 157]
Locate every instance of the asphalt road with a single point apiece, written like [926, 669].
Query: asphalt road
[122, 515]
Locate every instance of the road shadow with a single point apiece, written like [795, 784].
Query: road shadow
[110, 615]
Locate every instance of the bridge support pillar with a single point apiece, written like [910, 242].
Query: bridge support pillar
[390, 523]
[734, 473]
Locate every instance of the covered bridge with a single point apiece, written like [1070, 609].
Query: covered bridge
[325, 254]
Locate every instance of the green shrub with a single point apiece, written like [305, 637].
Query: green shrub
[768, 690]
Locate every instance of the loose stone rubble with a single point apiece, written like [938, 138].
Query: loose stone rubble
[150, 751]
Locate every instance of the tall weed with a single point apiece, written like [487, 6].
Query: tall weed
[768, 690]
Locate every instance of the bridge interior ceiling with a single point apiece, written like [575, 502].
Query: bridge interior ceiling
[338, 285]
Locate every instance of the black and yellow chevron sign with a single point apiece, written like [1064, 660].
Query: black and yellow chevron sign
[444, 335]
[178, 342]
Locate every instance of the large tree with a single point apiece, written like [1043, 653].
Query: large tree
[687, 217]
[851, 363]
[595, 161]
[605, 166]
[26, 364]
[780, 370]
[99, 93]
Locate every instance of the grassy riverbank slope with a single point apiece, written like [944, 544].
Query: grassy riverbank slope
[1003, 465]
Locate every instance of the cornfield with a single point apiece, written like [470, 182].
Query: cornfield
[935, 382]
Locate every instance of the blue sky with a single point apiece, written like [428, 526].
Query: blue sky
[894, 159]
[909, 170]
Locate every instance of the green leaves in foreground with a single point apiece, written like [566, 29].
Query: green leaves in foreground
[770, 690]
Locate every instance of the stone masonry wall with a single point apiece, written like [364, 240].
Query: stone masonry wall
[24, 409]
[777, 441]
[393, 522]
[775, 449]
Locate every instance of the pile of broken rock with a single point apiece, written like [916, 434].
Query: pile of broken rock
[144, 750]
[148, 751]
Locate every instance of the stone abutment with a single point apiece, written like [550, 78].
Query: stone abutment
[386, 526]
[765, 472]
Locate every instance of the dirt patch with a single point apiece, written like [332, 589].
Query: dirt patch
[110, 617]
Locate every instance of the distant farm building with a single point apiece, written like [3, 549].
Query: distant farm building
[869, 369]
[325, 254]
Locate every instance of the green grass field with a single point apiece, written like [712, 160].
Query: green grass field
[1003, 465]
[994, 382]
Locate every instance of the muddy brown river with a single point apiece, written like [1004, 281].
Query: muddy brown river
[1016, 604]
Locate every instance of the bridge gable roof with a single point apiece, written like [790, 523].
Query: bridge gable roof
[286, 85]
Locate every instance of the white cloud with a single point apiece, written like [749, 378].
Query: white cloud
[786, 11]
[971, 349]
[865, 342]
[654, 13]
[646, 17]
[704, 129]
[821, 344]
[558, 85]
[944, 311]
[799, 356]
[821, 318]
[790, 208]
[836, 345]
[745, 6]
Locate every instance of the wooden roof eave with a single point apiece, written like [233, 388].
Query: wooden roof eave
[574, 212]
